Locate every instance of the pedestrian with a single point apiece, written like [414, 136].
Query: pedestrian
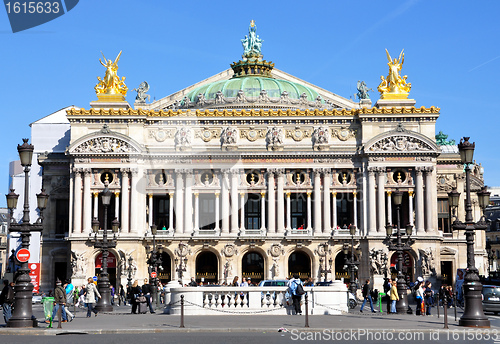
[90, 296]
[419, 296]
[296, 298]
[59, 301]
[235, 282]
[394, 297]
[81, 297]
[367, 296]
[121, 296]
[244, 283]
[135, 292]
[428, 297]
[68, 288]
[147, 291]
[387, 291]
[6, 300]
[112, 292]
[193, 282]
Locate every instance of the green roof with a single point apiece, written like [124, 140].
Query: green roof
[252, 86]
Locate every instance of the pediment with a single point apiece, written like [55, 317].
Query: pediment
[447, 251]
[104, 141]
[170, 101]
[399, 141]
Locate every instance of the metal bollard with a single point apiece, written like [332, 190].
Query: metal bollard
[307, 312]
[59, 316]
[182, 311]
[437, 298]
[445, 304]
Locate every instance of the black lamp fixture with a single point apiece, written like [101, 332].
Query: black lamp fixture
[153, 262]
[22, 315]
[352, 263]
[473, 315]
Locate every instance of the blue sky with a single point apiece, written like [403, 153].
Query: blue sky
[452, 56]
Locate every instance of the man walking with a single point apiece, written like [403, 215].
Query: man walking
[59, 301]
[6, 300]
[367, 296]
[296, 298]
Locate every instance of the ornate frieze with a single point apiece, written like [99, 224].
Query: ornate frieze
[274, 138]
[161, 135]
[252, 134]
[400, 143]
[207, 134]
[276, 250]
[298, 134]
[228, 138]
[183, 139]
[105, 145]
[229, 250]
[320, 138]
[344, 134]
[446, 182]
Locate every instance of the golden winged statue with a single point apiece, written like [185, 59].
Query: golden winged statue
[394, 86]
[111, 84]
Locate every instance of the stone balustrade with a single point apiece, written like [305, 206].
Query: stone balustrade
[217, 300]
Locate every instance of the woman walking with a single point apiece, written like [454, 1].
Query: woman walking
[394, 297]
[90, 297]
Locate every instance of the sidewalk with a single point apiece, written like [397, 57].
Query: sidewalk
[122, 321]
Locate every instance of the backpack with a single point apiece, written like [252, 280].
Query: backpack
[300, 289]
[9, 298]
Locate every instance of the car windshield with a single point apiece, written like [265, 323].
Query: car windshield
[491, 291]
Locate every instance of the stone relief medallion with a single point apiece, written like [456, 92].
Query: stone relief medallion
[252, 135]
[322, 250]
[343, 134]
[182, 250]
[276, 250]
[207, 134]
[229, 250]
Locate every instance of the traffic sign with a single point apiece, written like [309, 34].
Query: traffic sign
[154, 274]
[23, 255]
[94, 278]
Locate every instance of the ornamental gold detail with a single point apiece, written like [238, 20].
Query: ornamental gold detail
[111, 87]
[395, 85]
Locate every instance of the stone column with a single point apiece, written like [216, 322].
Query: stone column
[217, 211]
[150, 212]
[355, 208]
[419, 200]
[364, 205]
[410, 206]
[381, 199]
[125, 215]
[95, 214]
[225, 201]
[262, 211]
[242, 222]
[326, 200]
[196, 211]
[71, 197]
[87, 202]
[317, 201]
[234, 201]
[188, 203]
[334, 210]
[179, 200]
[134, 201]
[309, 213]
[271, 202]
[171, 211]
[288, 211]
[429, 226]
[77, 213]
[372, 205]
[281, 201]
[389, 207]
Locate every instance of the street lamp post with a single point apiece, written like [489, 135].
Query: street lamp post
[352, 263]
[400, 247]
[154, 261]
[130, 270]
[473, 315]
[23, 312]
[104, 303]
[181, 267]
[324, 268]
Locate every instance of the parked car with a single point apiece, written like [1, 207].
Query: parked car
[273, 283]
[491, 298]
[36, 298]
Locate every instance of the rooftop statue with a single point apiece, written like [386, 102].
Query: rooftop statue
[363, 90]
[252, 44]
[111, 84]
[141, 92]
[441, 140]
[394, 86]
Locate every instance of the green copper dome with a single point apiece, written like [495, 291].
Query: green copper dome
[252, 87]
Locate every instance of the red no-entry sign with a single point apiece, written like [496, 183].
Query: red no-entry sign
[23, 255]
[153, 274]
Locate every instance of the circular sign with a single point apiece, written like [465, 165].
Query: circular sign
[154, 274]
[94, 278]
[23, 255]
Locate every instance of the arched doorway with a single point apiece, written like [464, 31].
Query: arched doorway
[111, 267]
[252, 266]
[341, 268]
[165, 273]
[407, 267]
[207, 268]
[299, 263]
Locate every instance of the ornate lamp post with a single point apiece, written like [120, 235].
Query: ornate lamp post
[325, 269]
[400, 247]
[181, 267]
[154, 261]
[130, 270]
[352, 263]
[104, 303]
[473, 310]
[22, 315]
